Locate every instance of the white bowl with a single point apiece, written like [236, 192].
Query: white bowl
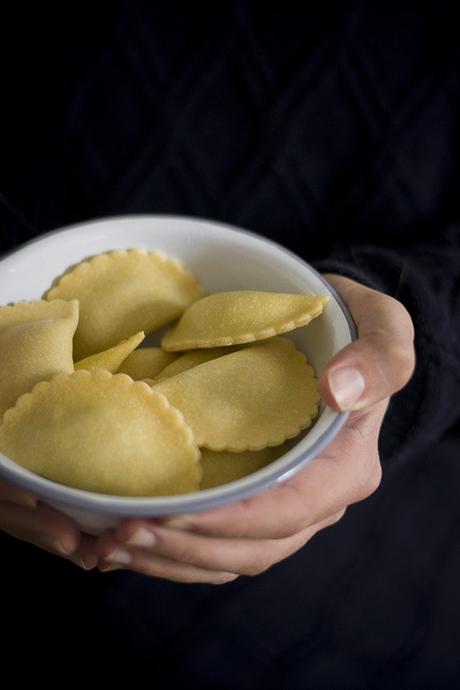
[223, 258]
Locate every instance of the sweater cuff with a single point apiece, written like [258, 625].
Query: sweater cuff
[349, 270]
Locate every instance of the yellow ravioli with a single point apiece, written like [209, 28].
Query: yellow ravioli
[105, 433]
[124, 292]
[256, 397]
[224, 467]
[113, 358]
[146, 363]
[242, 316]
[192, 359]
[35, 345]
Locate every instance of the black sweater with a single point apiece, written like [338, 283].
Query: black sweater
[333, 128]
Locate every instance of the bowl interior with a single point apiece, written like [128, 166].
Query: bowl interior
[223, 258]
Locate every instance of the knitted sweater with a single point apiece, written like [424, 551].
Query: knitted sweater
[332, 128]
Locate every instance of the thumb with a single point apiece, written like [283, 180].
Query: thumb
[382, 359]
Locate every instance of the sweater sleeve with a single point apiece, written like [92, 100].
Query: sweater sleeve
[426, 279]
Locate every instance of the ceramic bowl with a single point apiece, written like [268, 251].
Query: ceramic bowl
[223, 258]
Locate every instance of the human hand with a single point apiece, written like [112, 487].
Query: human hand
[248, 537]
[24, 517]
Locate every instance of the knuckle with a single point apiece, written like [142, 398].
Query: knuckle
[404, 316]
[181, 552]
[338, 516]
[372, 481]
[258, 568]
[377, 475]
[368, 478]
[402, 358]
[183, 555]
[299, 519]
[402, 352]
[294, 527]
[252, 571]
[296, 518]
[290, 527]
[397, 308]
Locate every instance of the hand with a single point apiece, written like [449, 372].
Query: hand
[248, 537]
[24, 517]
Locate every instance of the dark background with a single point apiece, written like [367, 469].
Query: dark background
[323, 126]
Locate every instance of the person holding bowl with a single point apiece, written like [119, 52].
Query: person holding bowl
[329, 130]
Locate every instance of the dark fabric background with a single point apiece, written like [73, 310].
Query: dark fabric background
[334, 129]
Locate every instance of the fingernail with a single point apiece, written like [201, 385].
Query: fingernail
[26, 500]
[142, 537]
[66, 550]
[347, 386]
[182, 522]
[82, 564]
[119, 556]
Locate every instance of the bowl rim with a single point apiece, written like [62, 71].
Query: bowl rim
[189, 502]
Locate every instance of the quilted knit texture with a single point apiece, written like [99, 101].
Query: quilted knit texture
[332, 128]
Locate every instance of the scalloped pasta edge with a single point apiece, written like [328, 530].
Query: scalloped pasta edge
[252, 336]
[292, 432]
[26, 401]
[27, 305]
[271, 443]
[88, 264]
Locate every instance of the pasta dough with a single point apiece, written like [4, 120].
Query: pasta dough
[113, 358]
[146, 363]
[256, 397]
[105, 433]
[124, 292]
[242, 316]
[224, 467]
[223, 381]
[192, 359]
[35, 345]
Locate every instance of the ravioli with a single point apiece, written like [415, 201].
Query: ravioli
[192, 359]
[113, 358]
[130, 421]
[224, 467]
[146, 363]
[242, 316]
[35, 345]
[256, 397]
[105, 433]
[124, 292]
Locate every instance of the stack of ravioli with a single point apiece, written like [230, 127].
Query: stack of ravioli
[83, 405]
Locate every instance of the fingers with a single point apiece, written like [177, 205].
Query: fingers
[86, 556]
[156, 566]
[248, 537]
[349, 472]
[13, 494]
[23, 517]
[43, 526]
[184, 557]
[381, 361]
